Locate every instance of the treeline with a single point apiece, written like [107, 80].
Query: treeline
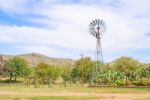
[121, 72]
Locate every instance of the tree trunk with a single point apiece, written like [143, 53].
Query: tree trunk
[70, 83]
[65, 83]
[43, 79]
[48, 82]
[35, 82]
[15, 79]
[10, 78]
[141, 81]
[126, 80]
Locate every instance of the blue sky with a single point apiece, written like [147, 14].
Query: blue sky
[59, 28]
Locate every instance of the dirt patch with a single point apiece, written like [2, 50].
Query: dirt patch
[105, 96]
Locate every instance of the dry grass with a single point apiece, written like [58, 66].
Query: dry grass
[72, 93]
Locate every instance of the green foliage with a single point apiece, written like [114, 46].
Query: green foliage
[27, 71]
[42, 71]
[109, 77]
[75, 74]
[66, 75]
[55, 72]
[77, 71]
[16, 67]
[47, 72]
[121, 71]
[128, 66]
[119, 82]
[137, 83]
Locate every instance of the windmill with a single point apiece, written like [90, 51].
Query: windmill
[97, 28]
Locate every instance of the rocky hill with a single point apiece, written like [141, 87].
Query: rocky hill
[33, 59]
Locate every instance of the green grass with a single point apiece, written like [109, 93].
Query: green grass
[148, 98]
[48, 98]
[76, 89]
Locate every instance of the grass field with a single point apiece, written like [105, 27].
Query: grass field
[72, 93]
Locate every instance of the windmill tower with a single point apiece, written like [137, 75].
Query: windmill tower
[97, 28]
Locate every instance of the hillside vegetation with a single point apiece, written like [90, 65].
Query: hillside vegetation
[33, 59]
[124, 71]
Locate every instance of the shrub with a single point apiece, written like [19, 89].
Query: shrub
[145, 81]
[137, 83]
[119, 82]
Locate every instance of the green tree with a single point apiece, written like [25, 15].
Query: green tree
[27, 72]
[77, 71]
[47, 72]
[128, 66]
[53, 73]
[42, 71]
[16, 67]
[66, 75]
[75, 74]
[143, 72]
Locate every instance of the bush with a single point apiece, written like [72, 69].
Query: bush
[137, 83]
[119, 82]
[145, 82]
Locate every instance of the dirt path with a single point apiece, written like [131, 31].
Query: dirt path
[104, 96]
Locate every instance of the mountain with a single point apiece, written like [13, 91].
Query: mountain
[33, 59]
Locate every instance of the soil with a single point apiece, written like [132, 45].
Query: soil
[103, 96]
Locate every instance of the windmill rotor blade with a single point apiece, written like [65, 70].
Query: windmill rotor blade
[97, 21]
[95, 25]
[94, 22]
[100, 22]
[91, 28]
[91, 25]
[93, 33]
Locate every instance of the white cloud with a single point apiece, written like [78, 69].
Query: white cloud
[121, 32]
[37, 48]
[124, 30]
[13, 6]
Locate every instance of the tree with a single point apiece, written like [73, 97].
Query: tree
[66, 75]
[88, 69]
[27, 72]
[53, 73]
[77, 71]
[143, 72]
[42, 71]
[128, 66]
[75, 74]
[47, 72]
[16, 67]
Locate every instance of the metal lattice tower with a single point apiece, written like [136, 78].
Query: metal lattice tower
[96, 28]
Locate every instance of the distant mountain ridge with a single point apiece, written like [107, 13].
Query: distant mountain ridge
[34, 58]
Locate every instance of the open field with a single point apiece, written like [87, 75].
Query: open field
[73, 93]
